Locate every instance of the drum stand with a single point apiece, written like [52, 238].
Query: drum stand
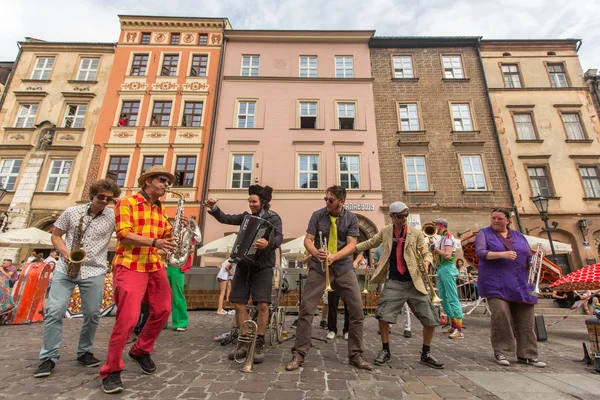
[299, 282]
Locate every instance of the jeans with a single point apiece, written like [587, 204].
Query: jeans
[91, 291]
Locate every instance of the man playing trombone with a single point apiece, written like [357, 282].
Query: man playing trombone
[405, 257]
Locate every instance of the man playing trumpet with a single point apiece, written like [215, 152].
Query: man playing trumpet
[403, 248]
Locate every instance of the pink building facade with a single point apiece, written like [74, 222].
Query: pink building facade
[296, 113]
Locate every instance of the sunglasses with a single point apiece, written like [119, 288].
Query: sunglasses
[330, 200]
[399, 216]
[102, 197]
[164, 179]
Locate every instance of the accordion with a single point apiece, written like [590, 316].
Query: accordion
[252, 229]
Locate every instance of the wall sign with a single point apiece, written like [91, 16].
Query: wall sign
[359, 206]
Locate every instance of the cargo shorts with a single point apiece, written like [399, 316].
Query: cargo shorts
[395, 294]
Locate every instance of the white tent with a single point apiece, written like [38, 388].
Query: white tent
[294, 249]
[218, 248]
[559, 247]
[26, 237]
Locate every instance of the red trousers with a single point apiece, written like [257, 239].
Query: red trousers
[130, 288]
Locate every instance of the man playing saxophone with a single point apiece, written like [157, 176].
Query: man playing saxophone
[143, 229]
[403, 248]
[339, 229]
[88, 229]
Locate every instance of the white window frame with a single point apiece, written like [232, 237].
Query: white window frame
[62, 178]
[410, 162]
[462, 120]
[88, 68]
[76, 118]
[342, 111]
[453, 67]
[591, 190]
[525, 129]
[535, 179]
[42, 72]
[26, 115]
[404, 114]
[350, 171]
[557, 79]
[309, 71]
[308, 113]
[472, 172]
[511, 71]
[241, 172]
[252, 70]
[308, 171]
[403, 67]
[243, 118]
[574, 129]
[8, 175]
[346, 70]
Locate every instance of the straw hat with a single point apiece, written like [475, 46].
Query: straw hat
[153, 171]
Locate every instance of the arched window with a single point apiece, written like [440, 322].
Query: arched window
[506, 54]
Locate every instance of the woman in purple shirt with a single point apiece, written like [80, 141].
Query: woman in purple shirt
[504, 257]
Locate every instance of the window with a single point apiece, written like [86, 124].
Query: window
[203, 39]
[250, 65]
[349, 172]
[117, 169]
[538, 178]
[199, 64]
[589, 176]
[130, 111]
[185, 170]
[573, 126]
[346, 116]
[175, 38]
[9, 171]
[58, 176]
[74, 115]
[416, 173]
[409, 117]
[344, 67]
[150, 161]
[241, 171]
[139, 65]
[42, 69]
[169, 67]
[461, 115]
[246, 113]
[524, 126]
[308, 171]
[161, 113]
[403, 67]
[558, 78]
[192, 114]
[308, 115]
[145, 38]
[510, 72]
[453, 67]
[88, 69]
[472, 168]
[26, 115]
[308, 66]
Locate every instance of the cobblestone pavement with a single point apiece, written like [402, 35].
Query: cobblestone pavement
[192, 366]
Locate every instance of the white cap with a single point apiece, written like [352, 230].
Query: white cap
[397, 207]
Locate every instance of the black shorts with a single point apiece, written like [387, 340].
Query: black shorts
[249, 280]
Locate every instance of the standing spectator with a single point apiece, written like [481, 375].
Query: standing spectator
[224, 278]
[31, 257]
[52, 257]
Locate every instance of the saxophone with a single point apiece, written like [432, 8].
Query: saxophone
[77, 254]
[183, 235]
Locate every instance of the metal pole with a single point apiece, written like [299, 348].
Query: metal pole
[548, 230]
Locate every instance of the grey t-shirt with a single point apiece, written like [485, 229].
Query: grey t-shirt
[347, 226]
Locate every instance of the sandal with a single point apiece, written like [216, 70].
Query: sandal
[222, 312]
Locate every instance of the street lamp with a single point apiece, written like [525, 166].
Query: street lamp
[541, 203]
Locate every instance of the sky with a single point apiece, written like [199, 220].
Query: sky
[96, 20]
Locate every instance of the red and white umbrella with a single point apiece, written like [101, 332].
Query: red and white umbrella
[587, 278]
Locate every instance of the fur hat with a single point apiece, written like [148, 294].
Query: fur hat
[153, 171]
[265, 193]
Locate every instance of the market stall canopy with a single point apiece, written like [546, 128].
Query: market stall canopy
[294, 248]
[559, 247]
[218, 248]
[26, 237]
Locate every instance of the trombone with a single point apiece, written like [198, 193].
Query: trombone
[535, 271]
[328, 287]
[429, 230]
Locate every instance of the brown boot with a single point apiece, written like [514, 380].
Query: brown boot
[241, 352]
[359, 362]
[296, 363]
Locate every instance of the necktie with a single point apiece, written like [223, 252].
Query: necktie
[332, 244]
[399, 249]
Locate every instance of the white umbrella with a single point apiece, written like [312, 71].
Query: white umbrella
[293, 248]
[559, 247]
[26, 237]
[218, 248]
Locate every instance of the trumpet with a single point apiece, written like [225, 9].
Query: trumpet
[248, 338]
[429, 230]
[326, 266]
[535, 271]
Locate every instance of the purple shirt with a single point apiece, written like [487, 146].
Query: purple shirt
[501, 278]
[9, 269]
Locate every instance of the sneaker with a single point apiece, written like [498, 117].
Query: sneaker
[259, 353]
[112, 383]
[323, 324]
[448, 330]
[180, 329]
[346, 336]
[145, 362]
[430, 360]
[331, 335]
[456, 335]
[501, 360]
[88, 360]
[44, 369]
[532, 361]
[383, 357]
[407, 334]
[231, 312]
[239, 353]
